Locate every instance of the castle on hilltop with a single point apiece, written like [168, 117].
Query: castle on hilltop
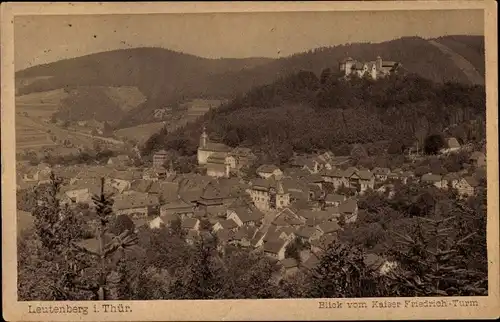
[374, 69]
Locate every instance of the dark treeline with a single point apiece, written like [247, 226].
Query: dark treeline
[305, 113]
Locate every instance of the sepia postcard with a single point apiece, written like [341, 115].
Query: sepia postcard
[249, 161]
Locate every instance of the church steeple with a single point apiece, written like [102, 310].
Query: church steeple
[203, 138]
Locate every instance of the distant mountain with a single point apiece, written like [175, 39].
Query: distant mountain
[157, 73]
[166, 77]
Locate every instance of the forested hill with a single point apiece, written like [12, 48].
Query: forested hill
[304, 112]
[164, 77]
[416, 54]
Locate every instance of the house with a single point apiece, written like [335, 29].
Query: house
[334, 200]
[245, 216]
[406, 175]
[434, 179]
[190, 224]
[381, 173]
[136, 205]
[228, 224]
[244, 236]
[224, 238]
[268, 194]
[478, 159]
[120, 160]
[177, 207]
[207, 148]
[275, 248]
[312, 165]
[451, 145]
[450, 180]
[287, 218]
[349, 210]
[141, 185]
[217, 170]
[160, 158]
[240, 157]
[374, 69]
[311, 262]
[335, 176]
[362, 180]
[467, 186]
[329, 227]
[308, 234]
[314, 217]
[267, 170]
[290, 266]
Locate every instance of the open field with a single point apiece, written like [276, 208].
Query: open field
[40, 105]
[126, 97]
[30, 135]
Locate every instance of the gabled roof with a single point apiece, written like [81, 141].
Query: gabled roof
[364, 174]
[224, 235]
[381, 171]
[472, 181]
[274, 246]
[311, 262]
[306, 232]
[135, 201]
[452, 143]
[217, 157]
[141, 185]
[267, 168]
[348, 206]
[245, 232]
[451, 176]
[329, 227]
[228, 224]
[177, 204]
[334, 198]
[215, 147]
[334, 173]
[189, 223]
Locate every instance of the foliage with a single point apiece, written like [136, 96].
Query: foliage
[342, 273]
[433, 262]
[433, 143]
[300, 113]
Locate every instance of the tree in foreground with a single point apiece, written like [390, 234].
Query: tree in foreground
[433, 261]
[342, 273]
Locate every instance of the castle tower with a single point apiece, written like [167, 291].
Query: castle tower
[348, 65]
[378, 63]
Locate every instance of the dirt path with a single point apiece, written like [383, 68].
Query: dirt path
[465, 66]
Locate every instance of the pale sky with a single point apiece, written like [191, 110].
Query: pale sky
[44, 39]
